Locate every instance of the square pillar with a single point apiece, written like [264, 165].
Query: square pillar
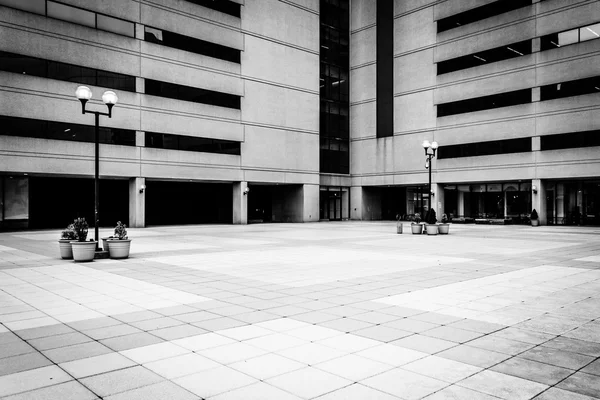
[438, 198]
[240, 203]
[310, 203]
[137, 203]
[356, 203]
[538, 200]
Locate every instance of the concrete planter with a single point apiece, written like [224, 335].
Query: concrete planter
[83, 251]
[66, 251]
[119, 248]
[535, 222]
[416, 229]
[443, 229]
[399, 227]
[432, 229]
[105, 243]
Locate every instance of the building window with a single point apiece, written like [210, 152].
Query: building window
[571, 88]
[571, 36]
[25, 65]
[488, 148]
[479, 13]
[192, 143]
[334, 86]
[385, 69]
[191, 44]
[571, 140]
[40, 129]
[485, 57]
[484, 103]
[224, 6]
[76, 15]
[187, 93]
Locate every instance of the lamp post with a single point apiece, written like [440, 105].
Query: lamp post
[84, 94]
[430, 149]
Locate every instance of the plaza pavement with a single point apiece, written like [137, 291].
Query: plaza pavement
[326, 311]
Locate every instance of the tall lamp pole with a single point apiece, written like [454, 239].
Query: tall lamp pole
[430, 149]
[109, 98]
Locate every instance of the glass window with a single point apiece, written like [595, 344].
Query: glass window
[479, 13]
[484, 103]
[116, 25]
[225, 6]
[568, 37]
[35, 6]
[20, 64]
[589, 32]
[153, 35]
[71, 14]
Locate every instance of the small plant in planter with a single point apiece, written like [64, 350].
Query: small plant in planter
[119, 244]
[64, 243]
[398, 224]
[82, 250]
[444, 227]
[534, 218]
[416, 226]
[431, 219]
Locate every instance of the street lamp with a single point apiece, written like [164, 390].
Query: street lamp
[84, 94]
[430, 149]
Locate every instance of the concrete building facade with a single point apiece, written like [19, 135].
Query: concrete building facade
[242, 111]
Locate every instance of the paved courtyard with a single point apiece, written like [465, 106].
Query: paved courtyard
[326, 311]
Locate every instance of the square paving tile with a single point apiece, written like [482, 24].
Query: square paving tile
[404, 384]
[96, 365]
[354, 368]
[533, 370]
[183, 365]
[230, 353]
[382, 333]
[311, 353]
[32, 379]
[15, 349]
[71, 390]
[76, 352]
[392, 355]
[214, 381]
[503, 386]
[157, 391]
[256, 391]
[559, 358]
[132, 341]
[154, 352]
[582, 383]
[357, 392]
[473, 356]
[23, 362]
[424, 344]
[267, 366]
[120, 381]
[442, 369]
[53, 342]
[459, 393]
[308, 382]
[555, 393]
[203, 342]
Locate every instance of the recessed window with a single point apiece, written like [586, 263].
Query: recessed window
[491, 147]
[191, 44]
[484, 103]
[25, 65]
[572, 36]
[34, 6]
[485, 57]
[35, 128]
[196, 95]
[571, 140]
[192, 143]
[571, 88]
[479, 13]
[225, 6]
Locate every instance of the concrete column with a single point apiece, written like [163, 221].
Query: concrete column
[535, 94]
[538, 200]
[461, 204]
[310, 203]
[137, 203]
[240, 203]
[356, 203]
[438, 189]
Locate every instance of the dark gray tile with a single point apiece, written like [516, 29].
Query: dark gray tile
[178, 332]
[43, 331]
[23, 362]
[533, 370]
[65, 391]
[127, 342]
[94, 323]
[14, 349]
[582, 383]
[473, 356]
[76, 352]
[120, 381]
[382, 333]
[560, 358]
[53, 342]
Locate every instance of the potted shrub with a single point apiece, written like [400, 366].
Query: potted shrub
[398, 224]
[416, 226]
[431, 219]
[534, 218]
[82, 250]
[119, 244]
[444, 227]
[64, 244]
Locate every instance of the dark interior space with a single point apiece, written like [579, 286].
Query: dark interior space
[393, 202]
[56, 202]
[178, 203]
[260, 203]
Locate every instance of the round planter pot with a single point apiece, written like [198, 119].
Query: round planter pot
[398, 228]
[443, 229]
[432, 229]
[105, 243]
[416, 229]
[66, 251]
[83, 251]
[535, 222]
[119, 248]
